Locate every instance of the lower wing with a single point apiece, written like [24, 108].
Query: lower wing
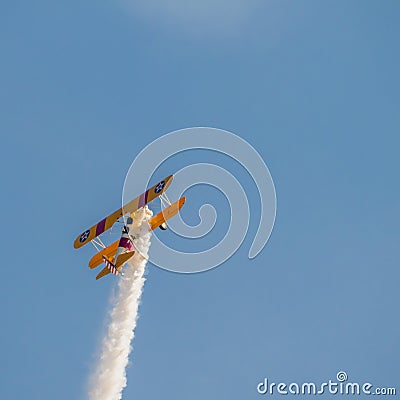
[108, 252]
[166, 214]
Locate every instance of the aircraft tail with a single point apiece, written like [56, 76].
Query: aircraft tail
[116, 268]
[105, 271]
[123, 258]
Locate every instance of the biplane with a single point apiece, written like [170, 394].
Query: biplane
[118, 253]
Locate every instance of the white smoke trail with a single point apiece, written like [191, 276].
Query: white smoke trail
[109, 377]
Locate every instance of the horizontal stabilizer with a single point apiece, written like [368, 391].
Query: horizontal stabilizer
[114, 268]
[123, 258]
[110, 267]
[105, 271]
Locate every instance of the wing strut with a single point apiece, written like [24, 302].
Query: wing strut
[98, 244]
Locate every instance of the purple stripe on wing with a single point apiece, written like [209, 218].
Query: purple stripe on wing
[142, 200]
[101, 227]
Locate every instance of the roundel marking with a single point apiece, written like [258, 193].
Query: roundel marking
[159, 187]
[84, 236]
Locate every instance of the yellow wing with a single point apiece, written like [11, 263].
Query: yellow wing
[108, 252]
[166, 214]
[133, 205]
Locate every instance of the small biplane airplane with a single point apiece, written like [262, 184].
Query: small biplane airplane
[118, 253]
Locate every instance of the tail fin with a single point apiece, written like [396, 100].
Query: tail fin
[110, 267]
[114, 269]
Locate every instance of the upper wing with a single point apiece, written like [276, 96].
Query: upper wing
[166, 214]
[133, 205]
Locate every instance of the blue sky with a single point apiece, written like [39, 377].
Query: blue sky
[313, 86]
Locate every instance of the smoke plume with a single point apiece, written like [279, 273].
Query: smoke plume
[109, 377]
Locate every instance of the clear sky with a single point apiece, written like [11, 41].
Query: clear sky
[312, 85]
